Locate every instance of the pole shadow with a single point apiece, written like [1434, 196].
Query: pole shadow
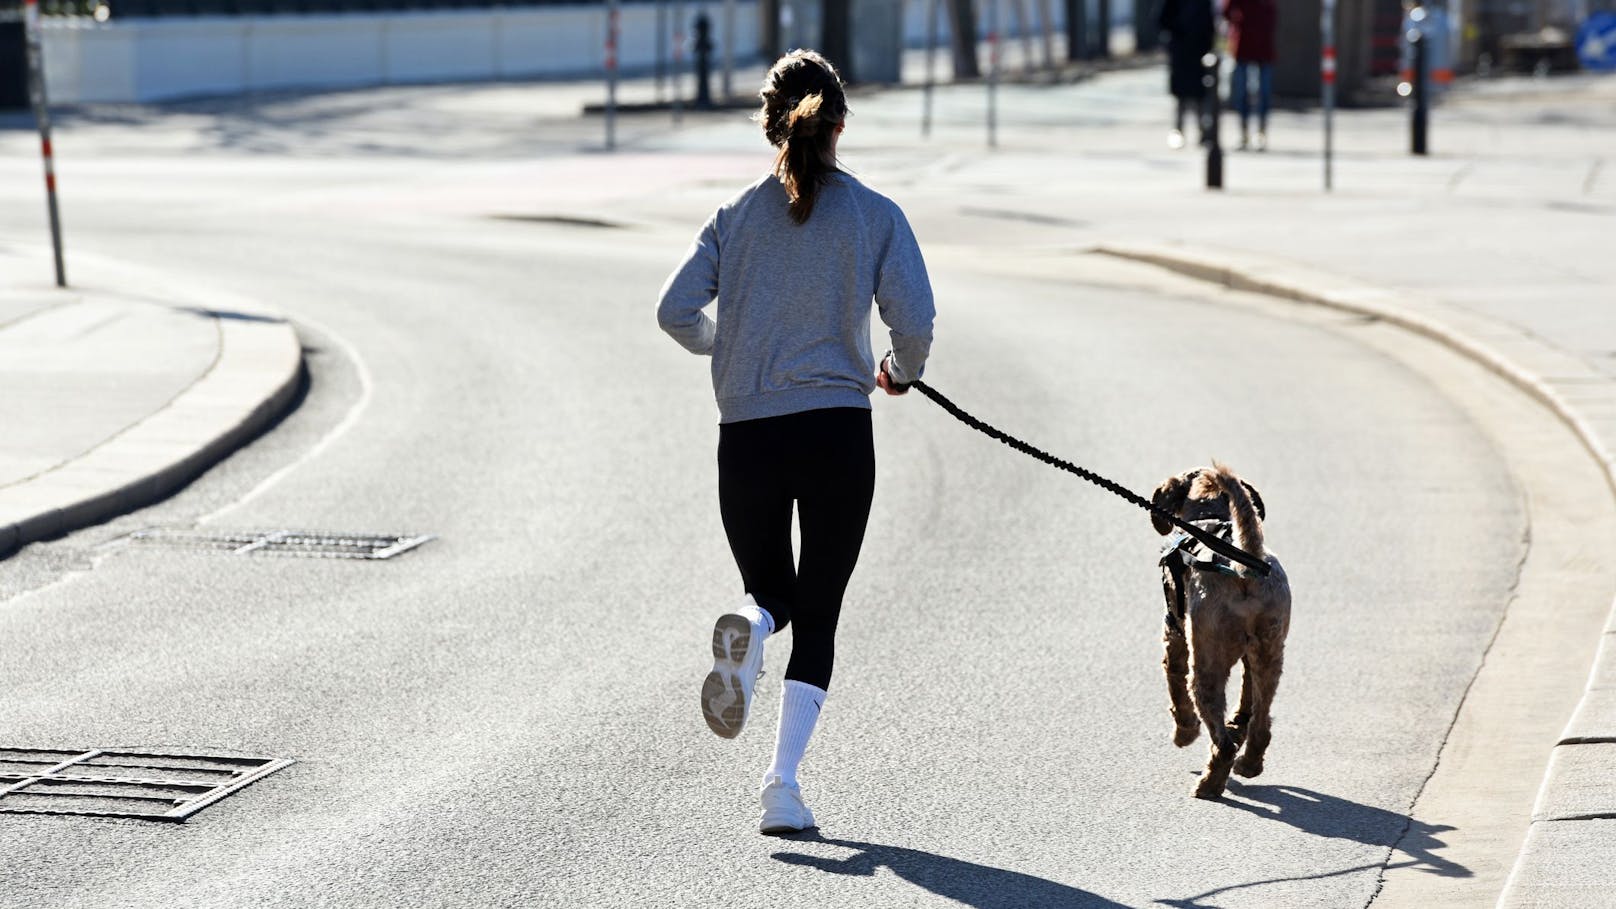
[1332, 817]
[967, 883]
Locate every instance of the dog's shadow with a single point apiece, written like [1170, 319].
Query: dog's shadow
[1337, 818]
[966, 883]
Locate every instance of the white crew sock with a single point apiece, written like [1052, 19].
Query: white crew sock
[757, 615]
[799, 711]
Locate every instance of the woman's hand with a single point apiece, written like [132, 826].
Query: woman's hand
[884, 381]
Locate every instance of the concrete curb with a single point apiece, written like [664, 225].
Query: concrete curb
[250, 383]
[1560, 863]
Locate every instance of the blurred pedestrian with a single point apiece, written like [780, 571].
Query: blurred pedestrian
[1251, 42]
[794, 262]
[1189, 28]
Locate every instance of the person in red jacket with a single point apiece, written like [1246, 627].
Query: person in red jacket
[1251, 43]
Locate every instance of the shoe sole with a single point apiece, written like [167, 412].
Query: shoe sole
[779, 830]
[723, 698]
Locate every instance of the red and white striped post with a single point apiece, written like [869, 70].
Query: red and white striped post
[1327, 75]
[612, 25]
[36, 94]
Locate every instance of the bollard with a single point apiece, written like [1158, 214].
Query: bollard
[1211, 114]
[704, 60]
[1417, 88]
[612, 31]
[41, 106]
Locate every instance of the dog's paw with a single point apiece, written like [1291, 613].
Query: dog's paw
[1183, 735]
[1210, 790]
[1248, 768]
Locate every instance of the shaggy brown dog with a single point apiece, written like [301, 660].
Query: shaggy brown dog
[1220, 613]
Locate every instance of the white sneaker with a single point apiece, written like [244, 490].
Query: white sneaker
[1175, 139]
[783, 809]
[726, 695]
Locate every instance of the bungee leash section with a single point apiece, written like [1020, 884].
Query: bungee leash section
[1211, 541]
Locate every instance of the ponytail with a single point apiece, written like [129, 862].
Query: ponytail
[803, 106]
[805, 161]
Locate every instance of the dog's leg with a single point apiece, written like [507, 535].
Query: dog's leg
[1242, 717]
[1212, 664]
[1186, 725]
[1267, 661]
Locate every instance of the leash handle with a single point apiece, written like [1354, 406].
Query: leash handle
[1211, 541]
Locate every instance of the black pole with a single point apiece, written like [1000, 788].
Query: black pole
[1146, 31]
[962, 37]
[1103, 46]
[1077, 30]
[1211, 114]
[837, 40]
[1421, 120]
[704, 61]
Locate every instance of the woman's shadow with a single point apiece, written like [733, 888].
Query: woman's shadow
[967, 883]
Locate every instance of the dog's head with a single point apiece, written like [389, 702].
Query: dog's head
[1194, 495]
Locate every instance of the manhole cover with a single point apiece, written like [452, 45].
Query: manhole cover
[310, 544]
[126, 784]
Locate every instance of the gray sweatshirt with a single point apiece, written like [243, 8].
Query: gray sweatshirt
[793, 328]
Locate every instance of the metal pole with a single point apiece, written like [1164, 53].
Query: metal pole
[1327, 73]
[993, 73]
[611, 73]
[661, 47]
[678, 59]
[1211, 115]
[1421, 113]
[1046, 27]
[729, 49]
[1018, 9]
[933, 9]
[41, 105]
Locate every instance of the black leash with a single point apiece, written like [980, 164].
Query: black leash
[1211, 541]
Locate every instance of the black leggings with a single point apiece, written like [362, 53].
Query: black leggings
[824, 461]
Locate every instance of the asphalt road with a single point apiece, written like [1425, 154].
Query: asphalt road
[508, 717]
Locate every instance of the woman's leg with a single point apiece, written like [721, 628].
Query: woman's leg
[1239, 89]
[754, 499]
[1265, 95]
[835, 483]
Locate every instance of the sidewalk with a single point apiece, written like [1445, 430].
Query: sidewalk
[115, 399]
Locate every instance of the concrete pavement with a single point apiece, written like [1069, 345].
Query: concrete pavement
[123, 388]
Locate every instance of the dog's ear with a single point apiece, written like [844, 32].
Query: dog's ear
[1169, 497]
[1256, 499]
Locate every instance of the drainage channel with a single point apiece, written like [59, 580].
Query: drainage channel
[133, 785]
[308, 544]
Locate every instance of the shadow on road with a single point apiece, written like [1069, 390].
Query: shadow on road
[1336, 818]
[970, 884]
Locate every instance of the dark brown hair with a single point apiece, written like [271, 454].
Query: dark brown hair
[803, 104]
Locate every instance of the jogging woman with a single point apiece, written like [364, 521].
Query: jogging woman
[794, 261]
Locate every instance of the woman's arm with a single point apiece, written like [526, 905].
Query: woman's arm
[692, 286]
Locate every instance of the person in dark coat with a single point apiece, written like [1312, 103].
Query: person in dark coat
[1251, 42]
[1188, 26]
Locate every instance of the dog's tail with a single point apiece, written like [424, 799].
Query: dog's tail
[1248, 533]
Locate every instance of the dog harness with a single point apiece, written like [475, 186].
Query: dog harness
[1192, 553]
[1180, 553]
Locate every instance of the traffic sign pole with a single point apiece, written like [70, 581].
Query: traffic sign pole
[1327, 74]
[36, 95]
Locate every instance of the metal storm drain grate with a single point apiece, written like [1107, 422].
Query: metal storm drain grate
[125, 784]
[305, 544]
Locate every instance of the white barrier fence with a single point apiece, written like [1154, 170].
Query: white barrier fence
[142, 60]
